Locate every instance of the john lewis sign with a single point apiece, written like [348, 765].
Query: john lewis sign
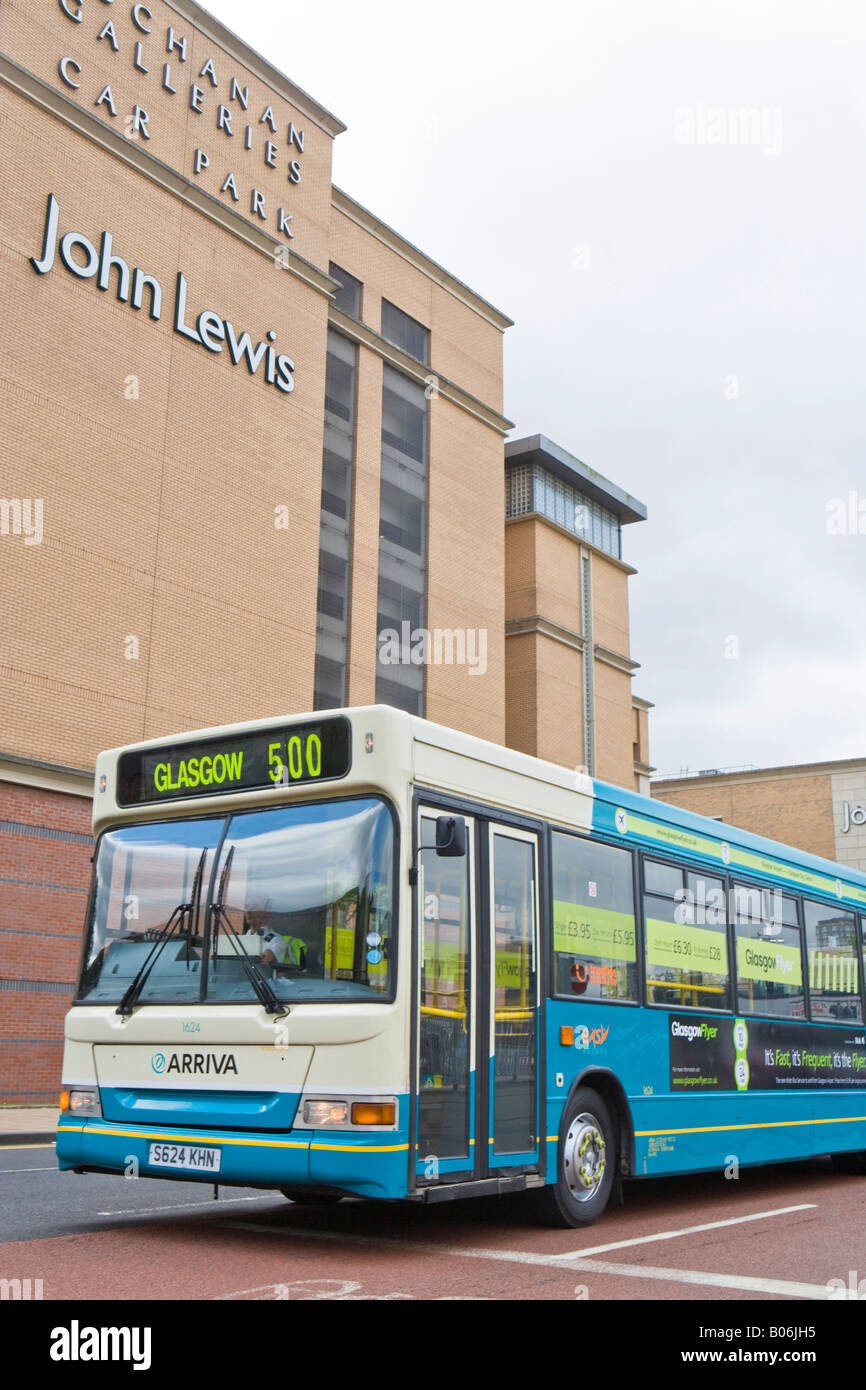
[850, 817]
[81, 258]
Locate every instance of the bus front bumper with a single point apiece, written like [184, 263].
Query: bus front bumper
[366, 1165]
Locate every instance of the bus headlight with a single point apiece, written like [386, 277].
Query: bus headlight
[326, 1112]
[377, 1112]
[81, 1100]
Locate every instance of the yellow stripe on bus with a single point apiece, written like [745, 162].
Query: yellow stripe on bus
[221, 1139]
[766, 1124]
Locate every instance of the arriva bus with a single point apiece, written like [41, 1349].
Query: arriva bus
[358, 954]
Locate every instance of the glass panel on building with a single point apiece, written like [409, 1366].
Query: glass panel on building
[402, 543]
[531, 489]
[405, 332]
[348, 296]
[834, 980]
[593, 920]
[332, 621]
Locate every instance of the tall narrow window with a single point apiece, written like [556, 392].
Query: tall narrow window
[402, 544]
[332, 622]
[405, 332]
[348, 296]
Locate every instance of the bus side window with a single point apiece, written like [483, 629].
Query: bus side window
[593, 920]
[769, 954]
[685, 939]
[834, 978]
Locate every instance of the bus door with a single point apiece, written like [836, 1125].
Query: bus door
[477, 1021]
[446, 1024]
[511, 913]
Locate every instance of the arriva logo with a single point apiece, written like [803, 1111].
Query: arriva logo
[195, 1063]
[586, 1037]
[690, 1031]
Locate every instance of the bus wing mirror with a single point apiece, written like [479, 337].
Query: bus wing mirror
[451, 837]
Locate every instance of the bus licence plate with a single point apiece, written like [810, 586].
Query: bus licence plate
[190, 1156]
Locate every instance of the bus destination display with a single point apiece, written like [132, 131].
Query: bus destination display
[314, 752]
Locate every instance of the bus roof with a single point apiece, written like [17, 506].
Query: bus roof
[626, 815]
[728, 846]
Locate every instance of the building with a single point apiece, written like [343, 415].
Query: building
[567, 663]
[253, 461]
[819, 807]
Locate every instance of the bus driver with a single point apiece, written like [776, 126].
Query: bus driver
[283, 952]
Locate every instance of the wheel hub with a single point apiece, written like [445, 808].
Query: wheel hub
[584, 1157]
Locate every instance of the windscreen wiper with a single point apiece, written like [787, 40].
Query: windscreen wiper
[262, 987]
[178, 914]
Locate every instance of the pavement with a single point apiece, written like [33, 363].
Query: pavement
[27, 1125]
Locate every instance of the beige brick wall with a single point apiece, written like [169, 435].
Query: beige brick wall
[560, 703]
[464, 347]
[521, 693]
[610, 605]
[796, 810]
[466, 568]
[557, 574]
[614, 726]
[159, 511]
[544, 674]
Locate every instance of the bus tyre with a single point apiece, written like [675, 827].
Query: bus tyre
[586, 1162]
[850, 1162]
[309, 1197]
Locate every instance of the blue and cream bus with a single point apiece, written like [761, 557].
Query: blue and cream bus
[359, 954]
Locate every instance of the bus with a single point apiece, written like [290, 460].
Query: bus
[357, 954]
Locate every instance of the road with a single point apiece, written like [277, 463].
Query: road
[775, 1234]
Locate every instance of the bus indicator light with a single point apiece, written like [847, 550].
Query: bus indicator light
[566, 1037]
[366, 1113]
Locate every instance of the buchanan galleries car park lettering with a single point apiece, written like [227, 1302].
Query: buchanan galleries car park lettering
[210, 331]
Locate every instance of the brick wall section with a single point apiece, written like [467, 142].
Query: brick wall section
[610, 605]
[614, 726]
[44, 886]
[545, 675]
[560, 703]
[464, 346]
[797, 810]
[466, 570]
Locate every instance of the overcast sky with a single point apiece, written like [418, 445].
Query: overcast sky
[669, 197]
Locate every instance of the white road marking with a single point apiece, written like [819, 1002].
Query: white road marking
[51, 1168]
[707, 1279]
[179, 1206]
[16, 1147]
[788, 1288]
[686, 1231]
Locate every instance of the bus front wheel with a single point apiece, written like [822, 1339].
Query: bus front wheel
[586, 1162]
